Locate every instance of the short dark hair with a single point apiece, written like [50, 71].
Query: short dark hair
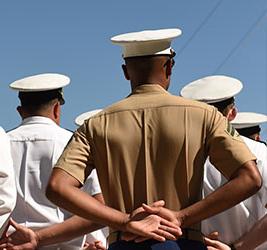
[41, 97]
[221, 106]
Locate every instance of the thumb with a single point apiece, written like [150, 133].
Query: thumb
[151, 210]
[209, 242]
[214, 235]
[14, 224]
[160, 203]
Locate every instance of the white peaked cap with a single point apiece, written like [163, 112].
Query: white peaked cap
[212, 89]
[79, 120]
[41, 82]
[248, 119]
[147, 42]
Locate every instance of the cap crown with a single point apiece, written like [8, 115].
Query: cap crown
[147, 42]
[41, 82]
[212, 89]
[79, 120]
[248, 119]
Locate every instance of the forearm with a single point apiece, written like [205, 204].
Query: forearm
[67, 230]
[255, 237]
[241, 186]
[66, 195]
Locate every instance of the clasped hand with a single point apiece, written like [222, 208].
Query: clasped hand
[152, 222]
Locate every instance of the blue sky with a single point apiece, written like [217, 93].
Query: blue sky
[72, 37]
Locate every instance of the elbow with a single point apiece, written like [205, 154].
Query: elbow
[255, 178]
[53, 190]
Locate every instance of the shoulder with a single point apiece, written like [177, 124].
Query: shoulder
[254, 145]
[62, 133]
[2, 131]
[3, 136]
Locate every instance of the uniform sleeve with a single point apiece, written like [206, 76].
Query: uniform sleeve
[7, 181]
[76, 158]
[226, 149]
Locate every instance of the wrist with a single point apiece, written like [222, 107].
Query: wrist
[124, 223]
[37, 239]
[181, 218]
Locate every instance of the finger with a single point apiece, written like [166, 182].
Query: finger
[156, 237]
[3, 245]
[3, 241]
[165, 234]
[171, 230]
[160, 203]
[170, 224]
[213, 236]
[14, 224]
[151, 210]
[210, 242]
[4, 234]
[6, 246]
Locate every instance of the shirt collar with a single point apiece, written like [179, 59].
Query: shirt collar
[149, 89]
[36, 120]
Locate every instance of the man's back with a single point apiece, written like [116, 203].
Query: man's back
[35, 146]
[151, 146]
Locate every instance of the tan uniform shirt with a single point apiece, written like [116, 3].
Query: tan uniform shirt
[153, 145]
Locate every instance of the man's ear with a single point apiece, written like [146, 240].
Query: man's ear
[56, 112]
[232, 114]
[168, 70]
[21, 112]
[125, 72]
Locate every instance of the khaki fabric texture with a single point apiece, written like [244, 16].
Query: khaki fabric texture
[152, 145]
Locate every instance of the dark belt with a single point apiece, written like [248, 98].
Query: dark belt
[188, 233]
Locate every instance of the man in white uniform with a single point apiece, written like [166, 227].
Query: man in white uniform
[219, 91]
[248, 124]
[7, 182]
[60, 232]
[36, 144]
[101, 234]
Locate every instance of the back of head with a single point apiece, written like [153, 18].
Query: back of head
[217, 90]
[248, 124]
[39, 101]
[147, 54]
[39, 93]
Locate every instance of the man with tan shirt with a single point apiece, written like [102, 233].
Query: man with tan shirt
[151, 146]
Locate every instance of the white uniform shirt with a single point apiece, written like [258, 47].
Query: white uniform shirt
[234, 222]
[7, 181]
[92, 187]
[36, 146]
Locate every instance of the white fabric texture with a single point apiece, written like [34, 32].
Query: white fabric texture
[7, 181]
[233, 223]
[36, 146]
